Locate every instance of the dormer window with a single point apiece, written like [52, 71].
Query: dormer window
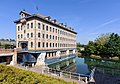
[24, 14]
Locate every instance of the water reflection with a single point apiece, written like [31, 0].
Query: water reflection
[104, 66]
[84, 66]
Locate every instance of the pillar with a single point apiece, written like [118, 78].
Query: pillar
[41, 59]
[58, 54]
[67, 52]
[14, 58]
[74, 51]
[67, 63]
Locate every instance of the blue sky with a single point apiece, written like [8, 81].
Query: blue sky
[90, 18]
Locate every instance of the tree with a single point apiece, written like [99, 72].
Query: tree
[90, 48]
[7, 46]
[113, 45]
[100, 42]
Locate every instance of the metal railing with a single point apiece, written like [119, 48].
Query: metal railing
[69, 75]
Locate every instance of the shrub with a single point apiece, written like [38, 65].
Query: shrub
[11, 75]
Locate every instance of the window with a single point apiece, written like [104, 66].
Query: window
[31, 34]
[53, 29]
[21, 35]
[46, 44]
[31, 25]
[18, 28]
[21, 27]
[43, 36]
[38, 35]
[43, 44]
[31, 44]
[56, 44]
[38, 44]
[50, 29]
[18, 36]
[28, 35]
[56, 37]
[28, 26]
[50, 45]
[53, 37]
[53, 44]
[46, 28]
[56, 30]
[24, 31]
[43, 27]
[46, 36]
[50, 37]
[38, 25]
[18, 44]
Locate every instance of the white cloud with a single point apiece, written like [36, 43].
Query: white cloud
[103, 26]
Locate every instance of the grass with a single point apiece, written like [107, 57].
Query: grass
[11, 75]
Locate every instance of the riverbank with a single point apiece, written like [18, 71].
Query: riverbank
[115, 58]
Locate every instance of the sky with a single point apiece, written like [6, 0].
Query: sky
[89, 18]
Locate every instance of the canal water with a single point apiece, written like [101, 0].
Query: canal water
[85, 65]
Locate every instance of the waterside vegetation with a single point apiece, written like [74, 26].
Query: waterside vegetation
[106, 46]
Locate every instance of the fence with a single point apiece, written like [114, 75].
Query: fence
[69, 75]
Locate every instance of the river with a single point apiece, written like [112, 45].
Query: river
[107, 72]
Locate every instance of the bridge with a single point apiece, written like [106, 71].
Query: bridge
[6, 52]
[8, 56]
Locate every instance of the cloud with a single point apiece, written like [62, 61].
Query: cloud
[107, 23]
[102, 26]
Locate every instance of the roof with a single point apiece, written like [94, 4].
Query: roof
[25, 13]
[42, 17]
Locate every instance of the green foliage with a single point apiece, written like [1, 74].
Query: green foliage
[107, 45]
[11, 75]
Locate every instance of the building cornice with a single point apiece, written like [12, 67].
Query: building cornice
[47, 21]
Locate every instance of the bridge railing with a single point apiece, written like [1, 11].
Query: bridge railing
[66, 74]
[6, 50]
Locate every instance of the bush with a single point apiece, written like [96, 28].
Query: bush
[11, 75]
[95, 56]
[114, 58]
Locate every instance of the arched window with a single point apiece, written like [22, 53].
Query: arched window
[28, 35]
[38, 25]
[38, 44]
[31, 44]
[28, 26]
[46, 44]
[38, 35]
[18, 36]
[18, 28]
[46, 28]
[31, 25]
[31, 34]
